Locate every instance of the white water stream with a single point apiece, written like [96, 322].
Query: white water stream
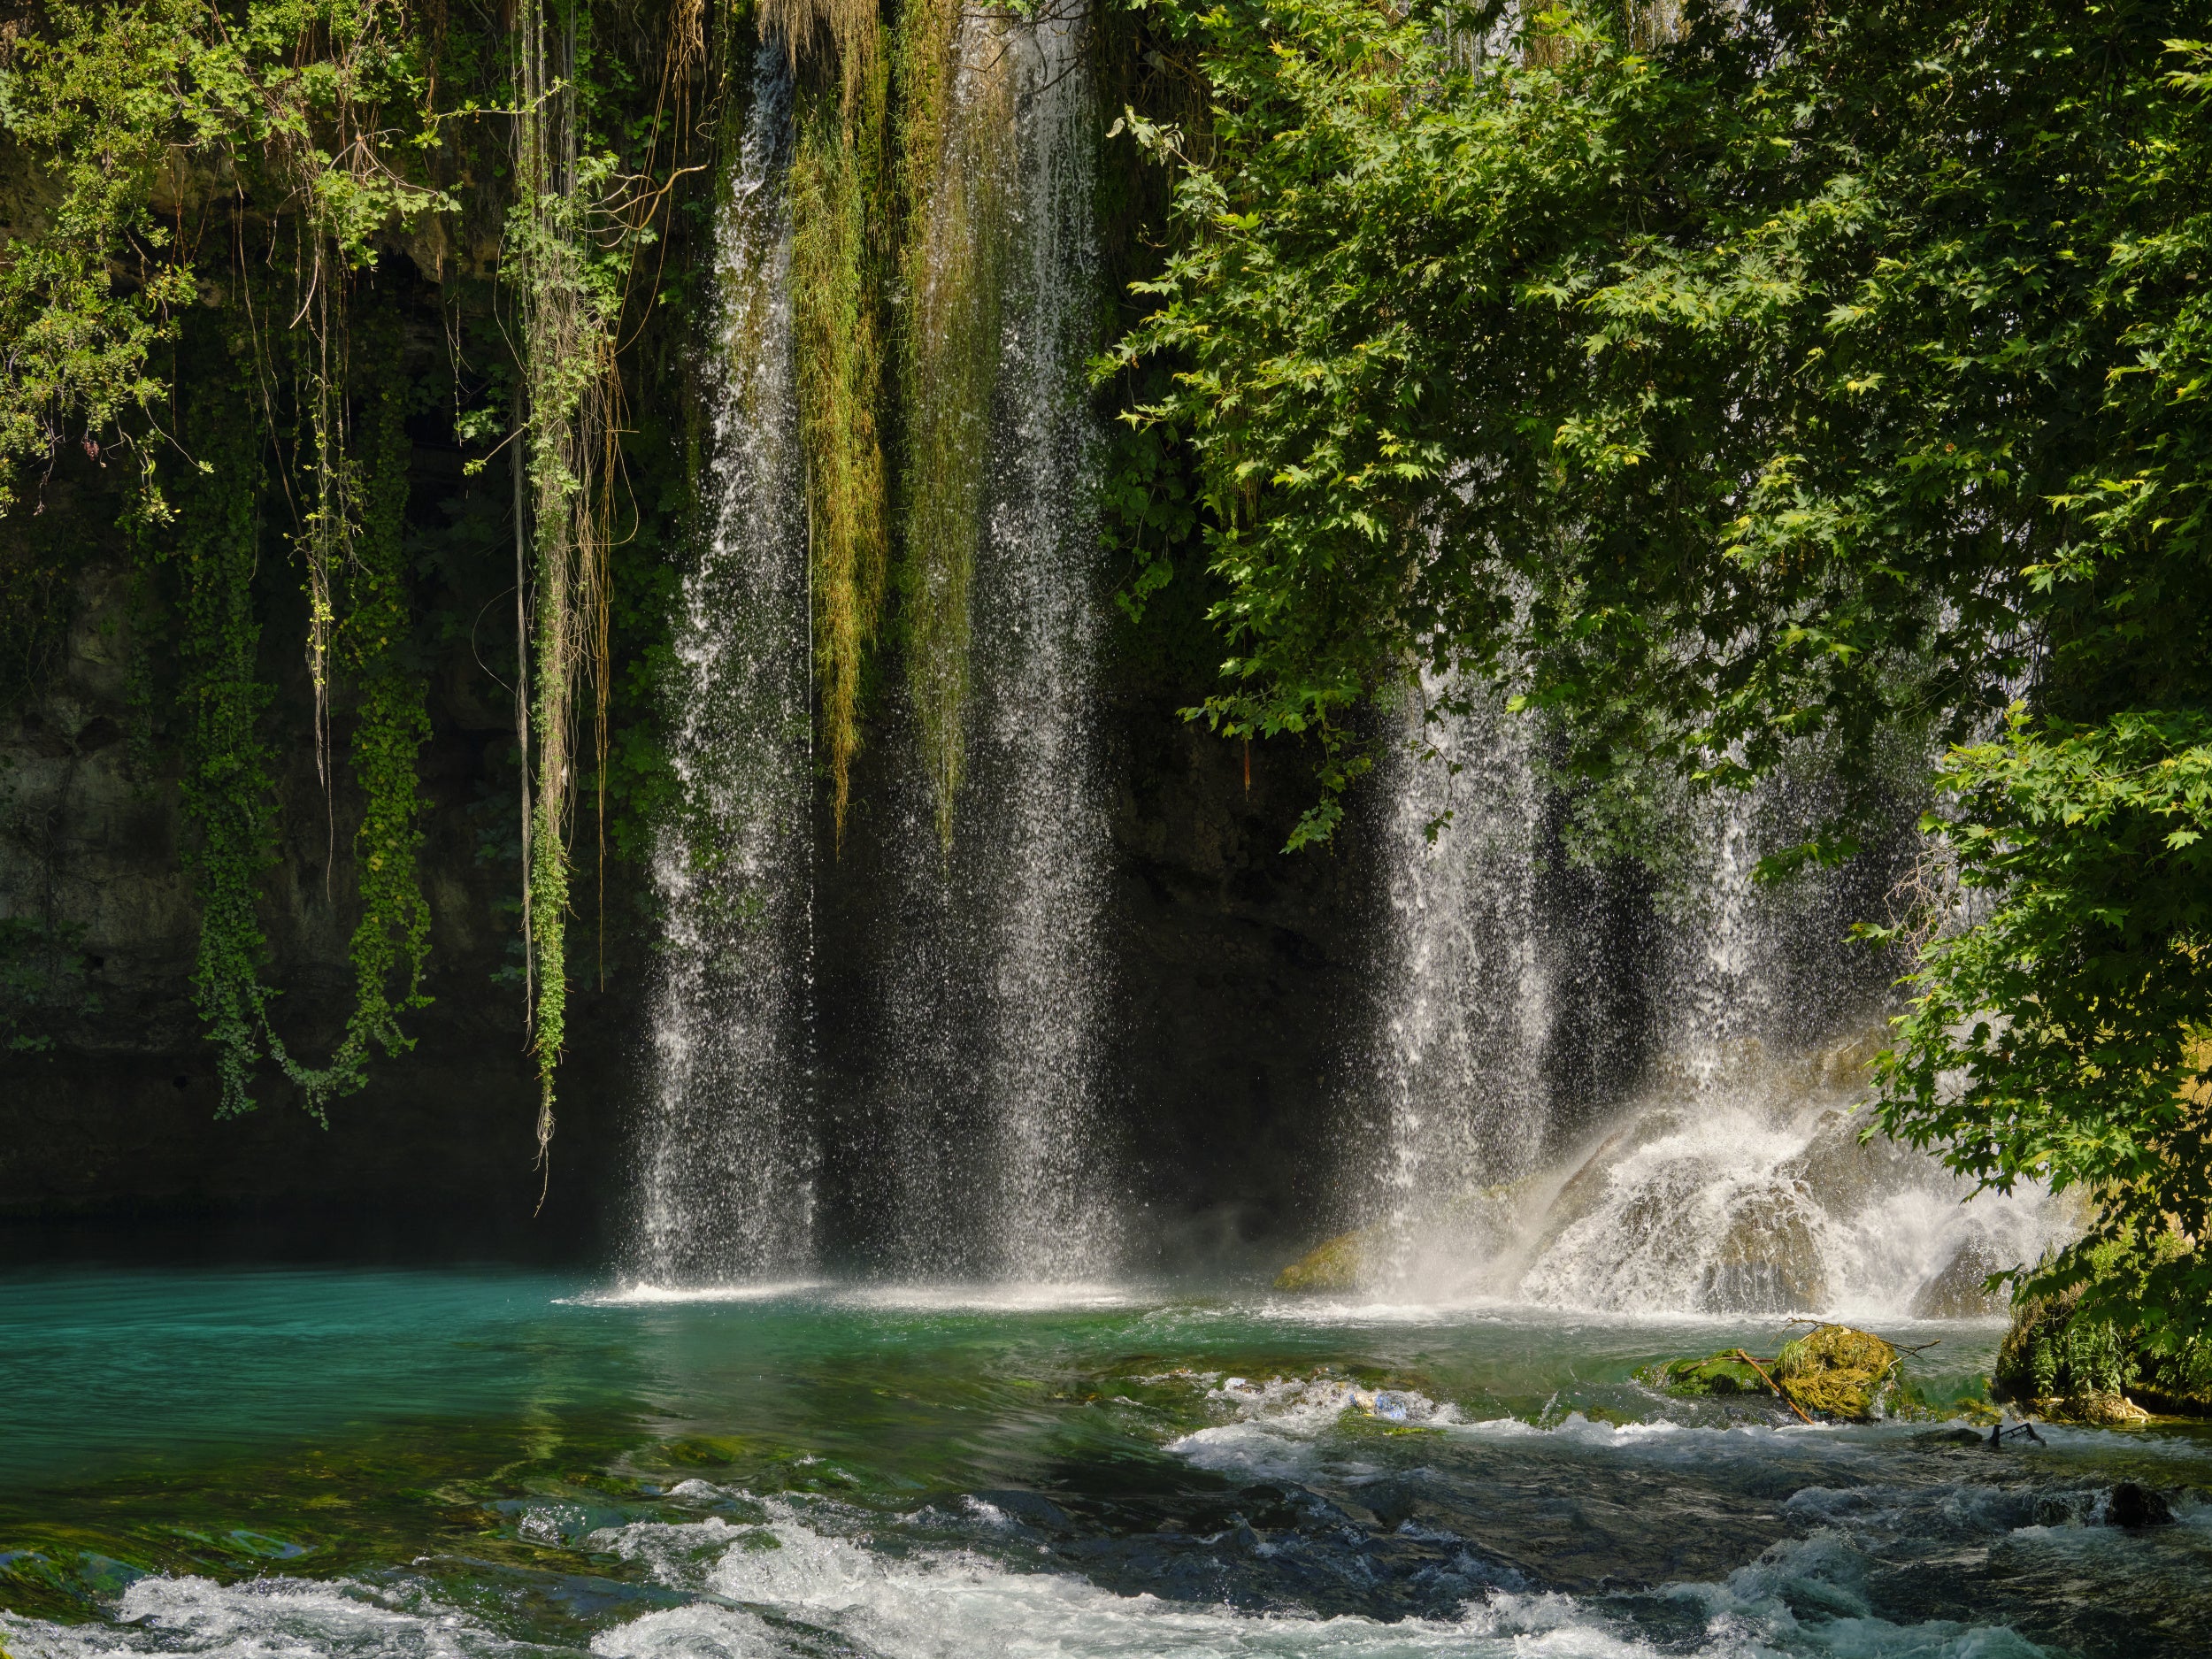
[725, 1182]
[994, 1009]
[1736, 1178]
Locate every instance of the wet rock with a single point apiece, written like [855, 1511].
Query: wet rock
[1338, 1263]
[1840, 1373]
[1769, 1261]
[1951, 1437]
[2130, 1504]
[1955, 1291]
[1587, 1187]
[1842, 1174]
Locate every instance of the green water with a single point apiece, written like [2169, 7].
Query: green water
[287, 1462]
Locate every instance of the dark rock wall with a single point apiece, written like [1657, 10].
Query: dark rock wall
[107, 1089]
[1234, 972]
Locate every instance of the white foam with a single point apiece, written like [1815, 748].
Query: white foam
[757, 1583]
[645, 1295]
[1011, 1296]
[262, 1618]
[934, 1604]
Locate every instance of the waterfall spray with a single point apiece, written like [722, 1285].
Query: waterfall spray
[1459, 1062]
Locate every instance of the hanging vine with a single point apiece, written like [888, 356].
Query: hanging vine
[228, 801]
[954, 75]
[391, 940]
[837, 229]
[573, 236]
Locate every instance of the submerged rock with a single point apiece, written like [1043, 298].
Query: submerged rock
[1840, 1373]
[2131, 1505]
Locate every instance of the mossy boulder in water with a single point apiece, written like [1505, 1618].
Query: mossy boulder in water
[1832, 1372]
[2065, 1362]
[1726, 1373]
[1841, 1372]
[1337, 1263]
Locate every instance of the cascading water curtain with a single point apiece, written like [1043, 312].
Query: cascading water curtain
[906, 284]
[995, 996]
[1037, 639]
[1466, 1008]
[726, 1169]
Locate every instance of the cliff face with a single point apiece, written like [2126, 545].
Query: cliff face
[109, 1093]
[1234, 967]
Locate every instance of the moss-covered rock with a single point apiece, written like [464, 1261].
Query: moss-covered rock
[1837, 1371]
[1337, 1263]
[1726, 1373]
[2061, 1362]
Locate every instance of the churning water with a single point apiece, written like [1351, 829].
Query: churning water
[275, 1463]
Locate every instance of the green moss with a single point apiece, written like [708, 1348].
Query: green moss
[1336, 1265]
[1833, 1371]
[834, 304]
[1723, 1373]
[951, 173]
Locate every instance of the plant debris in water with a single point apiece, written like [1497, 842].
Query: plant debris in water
[1833, 1371]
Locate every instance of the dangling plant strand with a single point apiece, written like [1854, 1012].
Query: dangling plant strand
[391, 941]
[955, 79]
[325, 539]
[569, 305]
[834, 178]
[228, 801]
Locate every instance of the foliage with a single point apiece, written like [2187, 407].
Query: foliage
[837, 190]
[225, 788]
[42, 982]
[308, 136]
[2063, 1036]
[572, 239]
[97, 102]
[1805, 372]
[954, 80]
[122, 105]
[2082, 1341]
[391, 941]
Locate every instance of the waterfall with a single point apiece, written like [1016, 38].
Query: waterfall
[1038, 643]
[994, 1006]
[1731, 1179]
[725, 1168]
[1466, 1013]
